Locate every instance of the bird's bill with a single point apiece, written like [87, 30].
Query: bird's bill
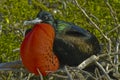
[37, 20]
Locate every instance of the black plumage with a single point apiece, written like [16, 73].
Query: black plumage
[72, 44]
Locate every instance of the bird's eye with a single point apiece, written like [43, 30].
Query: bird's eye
[46, 17]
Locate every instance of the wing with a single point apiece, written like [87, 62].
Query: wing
[63, 27]
[73, 44]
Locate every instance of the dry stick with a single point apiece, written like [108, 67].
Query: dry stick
[16, 50]
[91, 15]
[60, 76]
[74, 71]
[0, 29]
[100, 66]
[117, 25]
[15, 64]
[108, 39]
[97, 74]
[83, 71]
[40, 74]
[93, 59]
[88, 74]
[11, 69]
[11, 66]
[29, 76]
[116, 59]
[88, 61]
[113, 29]
[112, 12]
[69, 75]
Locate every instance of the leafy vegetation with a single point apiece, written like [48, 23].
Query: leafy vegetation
[14, 12]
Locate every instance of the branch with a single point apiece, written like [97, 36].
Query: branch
[69, 75]
[59, 76]
[40, 74]
[15, 64]
[100, 66]
[88, 61]
[117, 27]
[112, 12]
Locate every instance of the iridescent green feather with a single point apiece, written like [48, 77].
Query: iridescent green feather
[61, 26]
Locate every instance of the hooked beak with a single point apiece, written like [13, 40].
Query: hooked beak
[37, 20]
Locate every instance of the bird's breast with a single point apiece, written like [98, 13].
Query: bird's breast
[36, 49]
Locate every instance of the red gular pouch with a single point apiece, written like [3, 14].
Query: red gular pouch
[37, 50]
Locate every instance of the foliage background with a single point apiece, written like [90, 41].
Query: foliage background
[14, 12]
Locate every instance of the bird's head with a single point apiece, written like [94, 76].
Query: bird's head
[42, 17]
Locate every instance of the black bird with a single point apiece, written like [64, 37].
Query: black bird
[72, 44]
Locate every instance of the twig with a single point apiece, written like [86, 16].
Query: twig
[29, 76]
[16, 50]
[88, 61]
[15, 64]
[60, 76]
[100, 66]
[116, 57]
[112, 12]
[0, 29]
[40, 74]
[94, 17]
[10, 69]
[83, 71]
[69, 75]
[97, 74]
[117, 27]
